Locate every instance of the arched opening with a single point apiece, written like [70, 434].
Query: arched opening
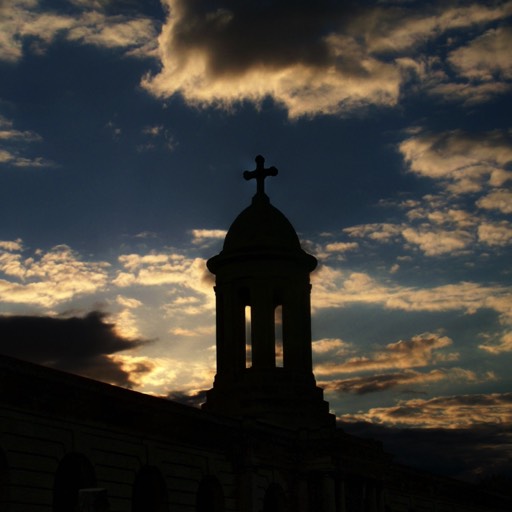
[248, 337]
[210, 497]
[275, 499]
[75, 472]
[4, 482]
[149, 492]
[278, 335]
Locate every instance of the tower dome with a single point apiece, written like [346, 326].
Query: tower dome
[261, 231]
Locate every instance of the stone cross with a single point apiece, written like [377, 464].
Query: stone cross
[259, 174]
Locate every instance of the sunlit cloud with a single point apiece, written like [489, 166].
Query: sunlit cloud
[168, 375]
[483, 69]
[15, 146]
[485, 57]
[380, 232]
[465, 162]
[188, 283]
[136, 35]
[331, 346]
[496, 234]
[399, 28]
[436, 242]
[24, 20]
[362, 385]
[8, 132]
[48, 278]
[342, 246]
[504, 344]
[464, 411]
[205, 237]
[419, 351]
[194, 332]
[333, 288]
[499, 199]
[470, 93]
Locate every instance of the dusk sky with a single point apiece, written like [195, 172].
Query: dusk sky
[125, 127]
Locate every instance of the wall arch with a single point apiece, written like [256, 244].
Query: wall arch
[149, 493]
[210, 496]
[74, 472]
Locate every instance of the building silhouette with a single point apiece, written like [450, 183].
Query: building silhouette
[264, 441]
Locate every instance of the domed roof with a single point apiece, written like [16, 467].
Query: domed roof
[261, 230]
[259, 227]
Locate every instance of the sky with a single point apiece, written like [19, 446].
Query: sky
[125, 127]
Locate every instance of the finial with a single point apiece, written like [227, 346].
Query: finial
[259, 174]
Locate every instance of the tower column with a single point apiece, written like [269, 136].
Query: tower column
[297, 329]
[230, 332]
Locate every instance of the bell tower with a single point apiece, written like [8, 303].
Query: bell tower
[262, 268]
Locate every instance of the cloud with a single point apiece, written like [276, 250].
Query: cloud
[205, 237]
[155, 269]
[450, 412]
[464, 162]
[483, 68]
[486, 56]
[188, 284]
[325, 58]
[499, 199]
[16, 160]
[382, 382]
[470, 93]
[495, 234]
[134, 35]
[393, 28]
[215, 54]
[48, 278]
[11, 245]
[434, 243]
[83, 345]
[503, 345]
[27, 20]
[380, 232]
[179, 377]
[333, 288]
[420, 350]
[342, 246]
[16, 143]
[331, 346]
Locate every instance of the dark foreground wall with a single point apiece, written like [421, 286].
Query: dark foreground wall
[69, 443]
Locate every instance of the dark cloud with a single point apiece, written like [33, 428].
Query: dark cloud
[238, 36]
[473, 454]
[79, 345]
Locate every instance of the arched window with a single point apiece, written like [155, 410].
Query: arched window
[275, 499]
[278, 326]
[75, 472]
[149, 491]
[248, 337]
[210, 497]
[4, 482]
